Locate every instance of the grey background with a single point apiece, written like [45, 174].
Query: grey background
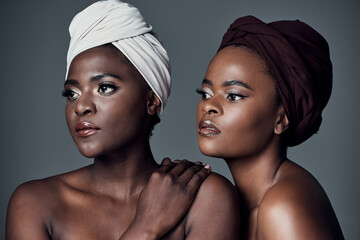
[34, 138]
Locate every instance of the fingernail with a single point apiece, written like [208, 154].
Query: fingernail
[207, 166]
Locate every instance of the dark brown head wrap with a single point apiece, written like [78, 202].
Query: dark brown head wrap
[298, 58]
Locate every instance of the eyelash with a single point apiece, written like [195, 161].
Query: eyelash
[72, 95]
[203, 94]
[230, 96]
[69, 94]
[112, 86]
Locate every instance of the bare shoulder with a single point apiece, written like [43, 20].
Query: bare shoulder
[296, 207]
[216, 191]
[215, 184]
[31, 206]
[215, 211]
[35, 195]
[46, 190]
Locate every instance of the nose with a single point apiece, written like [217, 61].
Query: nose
[211, 106]
[85, 105]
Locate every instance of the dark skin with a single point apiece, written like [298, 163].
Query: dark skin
[124, 194]
[241, 120]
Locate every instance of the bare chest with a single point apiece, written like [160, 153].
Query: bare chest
[89, 218]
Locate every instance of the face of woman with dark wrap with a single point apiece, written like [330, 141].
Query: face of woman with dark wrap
[106, 108]
[238, 114]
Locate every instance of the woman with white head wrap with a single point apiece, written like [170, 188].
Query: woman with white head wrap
[117, 82]
[123, 26]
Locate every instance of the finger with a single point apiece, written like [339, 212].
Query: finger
[166, 168]
[166, 161]
[181, 167]
[190, 172]
[198, 178]
[197, 162]
[179, 161]
[186, 161]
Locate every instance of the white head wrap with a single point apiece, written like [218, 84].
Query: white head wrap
[119, 23]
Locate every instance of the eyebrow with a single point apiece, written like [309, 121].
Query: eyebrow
[92, 79]
[236, 82]
[71, 82]
[208, 82]
[229, 83]
[102, 75]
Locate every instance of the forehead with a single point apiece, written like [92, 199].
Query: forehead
[100, 57]
[104, 59]
[237, 63]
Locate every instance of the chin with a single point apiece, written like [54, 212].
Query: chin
[88, 154]
[89, 151]
[216, 150]
[212, 154]
[209, 150]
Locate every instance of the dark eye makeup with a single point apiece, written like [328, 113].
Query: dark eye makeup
[235, 96]
[69, 94]
[204, 95]
[107, 88]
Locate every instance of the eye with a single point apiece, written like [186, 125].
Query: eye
[204, 95]
[70, 94]
[107, 88]
[233, 97]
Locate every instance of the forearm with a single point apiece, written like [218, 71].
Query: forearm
[166, 198]
[138, 232]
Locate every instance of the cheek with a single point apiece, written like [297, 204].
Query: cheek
[248, 130]
[69, 117]
[124, 118]
[244, 131]
[199, 113]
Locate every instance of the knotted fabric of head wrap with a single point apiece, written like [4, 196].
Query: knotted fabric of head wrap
[119, 23]
[299, 60]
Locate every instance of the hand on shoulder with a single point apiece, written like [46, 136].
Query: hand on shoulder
[186, 191]
[167, 196]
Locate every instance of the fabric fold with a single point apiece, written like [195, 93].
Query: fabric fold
[299, 60]
[121, 24]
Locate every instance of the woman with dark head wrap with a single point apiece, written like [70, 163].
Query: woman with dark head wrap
[263, 91]
[117, 83]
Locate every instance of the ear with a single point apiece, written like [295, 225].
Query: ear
[282, 121]
[153, 103]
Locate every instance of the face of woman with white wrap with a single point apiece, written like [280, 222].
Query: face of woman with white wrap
[109, 105]
[117, 76]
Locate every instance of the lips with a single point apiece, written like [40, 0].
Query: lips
[207, 128]
[86, 129]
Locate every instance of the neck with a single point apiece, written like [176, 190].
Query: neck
[123, 173]
[254, 175]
